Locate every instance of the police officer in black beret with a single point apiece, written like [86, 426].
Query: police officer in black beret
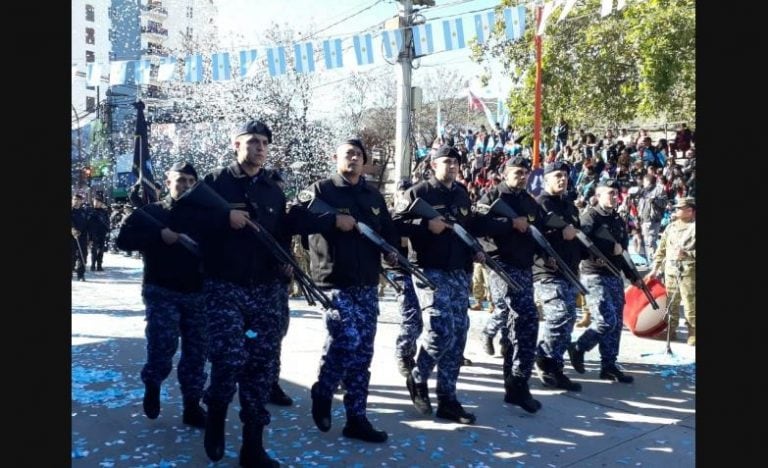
[512, 244]
[172, 293]
[556, 294]
[348, 265]
[79, 217]
[98, 229]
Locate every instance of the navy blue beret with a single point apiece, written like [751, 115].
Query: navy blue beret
[557, 166]
[359, 144]
[519, 161]
[446, 151]
[255, 126]
[184, 167]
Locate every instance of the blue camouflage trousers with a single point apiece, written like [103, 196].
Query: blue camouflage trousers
[171, 315]
[283, 300]
[411, 323]
[558, 300]
[348, 349]
[606, 292]
[443, 342]
[522, 324]
[245, 329]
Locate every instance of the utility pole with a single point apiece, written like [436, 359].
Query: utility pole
[403, 112]
[537, 94]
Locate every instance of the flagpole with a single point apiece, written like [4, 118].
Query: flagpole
[537, 92]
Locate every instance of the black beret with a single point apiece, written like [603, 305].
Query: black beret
[557, 166]
[404, 184]
[184, 167]
[255, 126]
[446, 151]
[519, 161]
[359, 144]
[610, 183]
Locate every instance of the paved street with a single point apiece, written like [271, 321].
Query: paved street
[649, 423]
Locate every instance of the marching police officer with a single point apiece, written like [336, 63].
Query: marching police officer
[556, 293]
[514, 247]
[606, 291]
[349, 265]
[79, 217]
[98, 229]
[447, 262]
[172, 293]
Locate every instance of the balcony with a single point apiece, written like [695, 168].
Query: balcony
[154, 33]
[155, 52]
[154, 10]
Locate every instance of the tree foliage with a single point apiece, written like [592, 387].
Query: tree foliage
[637, 63]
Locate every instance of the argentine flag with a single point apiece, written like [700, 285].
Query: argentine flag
[92, 74]
[332, 53]
[117, 72]
[193, 68]
[363, 49]
[248, 63]
[142, 71]
[392, 40]
[484, 23]
[222, 69]
[422, 39]
[514, 22]
[305, 57]
[276, 60]
[166, 68]
[453, 34]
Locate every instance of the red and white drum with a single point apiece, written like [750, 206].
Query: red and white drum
[639, 315]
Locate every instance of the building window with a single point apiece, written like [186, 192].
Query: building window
[189, 31]
[90, 14]
[190, 10]
[90, 56]
[90, 104]
[90, 36]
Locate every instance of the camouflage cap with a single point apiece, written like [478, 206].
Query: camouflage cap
[684, 202]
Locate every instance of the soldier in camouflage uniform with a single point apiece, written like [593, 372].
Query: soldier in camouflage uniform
[244, 286]
[348, 265]
[172, 293]
[447, 262]
[676, 257]
[605, 291]
[512, 244]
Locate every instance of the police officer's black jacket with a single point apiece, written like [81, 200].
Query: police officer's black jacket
[342, 259]
[570, 251]
[445, 251]
[504, 242]
[98, 223]
[239, 255]
[592, 221]
[80, 220]
[170, 266]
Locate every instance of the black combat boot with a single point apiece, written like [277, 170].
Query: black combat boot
[419, 395]
[214, 431]
[278, 397]
[488, 345]
[194, 415]
[93, 267]
[452, 410]
[516, 392]
[611, 372]
[358, 427]
[321, 409]
[465, 362]
[577, 358]
[152, 400]
[252, 453]
[405, 365]
[98, 267]
[551, 375]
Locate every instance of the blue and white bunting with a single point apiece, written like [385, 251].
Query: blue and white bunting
[566, 9]
[484, 23]
[117, 72]
[142, 71]
[332, 54]
[221, 68]
[166, 69]
[363, 49]
[193, 68]
[93, 74]
[304, 55]
[423, 43]
[392, 40]
[276, 61]
[453, 34]
[248, 64]
[546, 12]
[514, 22]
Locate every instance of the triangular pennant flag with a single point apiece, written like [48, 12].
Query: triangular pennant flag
[222, 69]
[422, 40]
[332, 53]
[304, 55]
[248, 63]
[193, 68]
[392, 39]
[117, 72]
[514, 22]
[276, 61]
[93, 74]
[363, 49]
[453, 34]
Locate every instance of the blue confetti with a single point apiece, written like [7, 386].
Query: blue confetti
[251, 334]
